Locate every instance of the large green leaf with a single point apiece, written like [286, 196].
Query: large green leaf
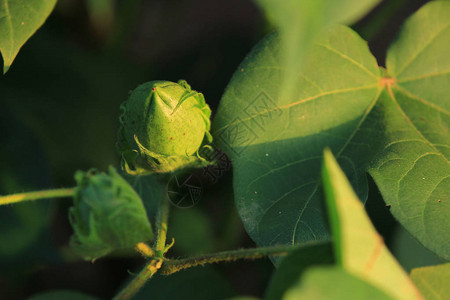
[276, 143]
[332, 283]
[413, 171]
[358, 247]
[433, 281]
[19, 19]
[396, 128]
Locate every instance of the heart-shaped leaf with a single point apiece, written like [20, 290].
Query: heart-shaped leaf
[395, 127]
[276, 143]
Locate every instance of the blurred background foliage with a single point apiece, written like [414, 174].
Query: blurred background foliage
[60, 106]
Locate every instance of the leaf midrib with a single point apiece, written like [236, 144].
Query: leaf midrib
[304, 100]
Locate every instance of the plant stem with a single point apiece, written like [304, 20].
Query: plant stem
[136, 284]
[47, 194]
[162, 219]
[172, 266]
[145, 250]
[154, 265]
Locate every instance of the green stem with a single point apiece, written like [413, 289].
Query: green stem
[145, 250]
[162, 219]
[154, 265]
[48, 194]
[172, 266]
[136, 284]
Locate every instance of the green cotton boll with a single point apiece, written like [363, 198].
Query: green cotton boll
[164, 126]
[107, 215]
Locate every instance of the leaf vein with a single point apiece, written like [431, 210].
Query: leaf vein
[403, 141]
[412, 167]
[429, 75]
[310, 229]
[283, 167]
[429, 196]
[307, 79]
[425, 45]
[276, 236]
[282, 197]
[412, 124]
[389, 160]
[430, 288]
[349, 59]
[426, 102]
[304, 100]
[302, 211]
[358, 126]
[406, 174]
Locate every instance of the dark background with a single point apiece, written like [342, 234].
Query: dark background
[59, 107]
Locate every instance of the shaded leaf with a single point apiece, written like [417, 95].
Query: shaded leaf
[358, 248]
[18, 21]
[276, 143]
[383, 125]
